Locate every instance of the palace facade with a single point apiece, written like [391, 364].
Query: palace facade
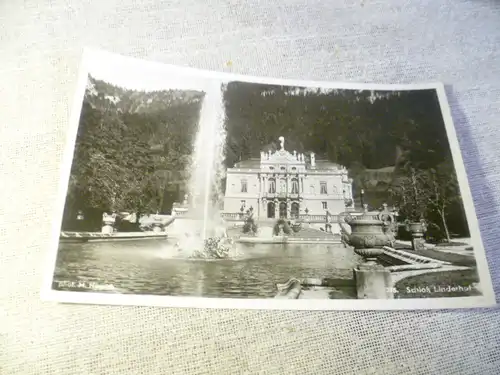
[287, 185]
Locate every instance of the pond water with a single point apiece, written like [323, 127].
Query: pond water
[155, 267]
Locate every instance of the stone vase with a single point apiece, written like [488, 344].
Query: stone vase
[108, 223]
[369, 234]
[417, 230]
[157, 224]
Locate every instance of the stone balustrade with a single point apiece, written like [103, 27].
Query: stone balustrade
[412, 267]
[238, 216]
[411, 258]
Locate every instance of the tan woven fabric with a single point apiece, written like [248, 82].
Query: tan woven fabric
[385, 41]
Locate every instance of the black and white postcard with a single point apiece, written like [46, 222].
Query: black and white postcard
[193, 188]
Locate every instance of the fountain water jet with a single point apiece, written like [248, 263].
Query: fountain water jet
[206, 172]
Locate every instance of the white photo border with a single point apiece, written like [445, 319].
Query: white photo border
[94, 57]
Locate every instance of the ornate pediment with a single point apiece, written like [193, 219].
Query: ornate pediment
[282, 156]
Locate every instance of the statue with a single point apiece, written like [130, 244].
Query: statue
[282, 226]
[214, 248]
[313, 159]
[79, 215]
[282, 143]
[250, 226]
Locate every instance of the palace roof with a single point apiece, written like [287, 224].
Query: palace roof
[255, 163]
[250, 164]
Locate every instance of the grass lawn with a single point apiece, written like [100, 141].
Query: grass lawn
[451, 244]
[429, 285]
[455, 259]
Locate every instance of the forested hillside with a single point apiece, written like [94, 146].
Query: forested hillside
[113, 166]
[344, 126]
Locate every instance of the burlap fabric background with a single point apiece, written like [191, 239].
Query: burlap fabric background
[396, 41]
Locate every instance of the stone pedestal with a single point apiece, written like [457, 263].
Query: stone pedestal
[417, 231]
[373, 281]
[418, 243]
[107, 229]
[369, 234]
[157, 228]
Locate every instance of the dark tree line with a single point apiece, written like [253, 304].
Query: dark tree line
[114, 167]
[344, 126]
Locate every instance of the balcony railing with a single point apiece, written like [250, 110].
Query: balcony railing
[282, 195]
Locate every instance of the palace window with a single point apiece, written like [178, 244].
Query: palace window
[325, 205]
[322, 188]
[282, 186]
[244, 186]
[295, 186]
[272, 186]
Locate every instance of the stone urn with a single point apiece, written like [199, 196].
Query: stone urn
[296, 226]
[370, 232]
[417, 230]
[157, 224]
[108, 223]
[281, 227]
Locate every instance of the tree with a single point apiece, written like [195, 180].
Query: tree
[410, 193]
[443, 191]
[113, 166]
[357, 173]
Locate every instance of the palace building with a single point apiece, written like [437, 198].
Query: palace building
[287, 185]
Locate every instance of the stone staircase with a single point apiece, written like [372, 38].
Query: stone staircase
[303, 233]
[304, 236]
[399, 260]
[314, 233]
